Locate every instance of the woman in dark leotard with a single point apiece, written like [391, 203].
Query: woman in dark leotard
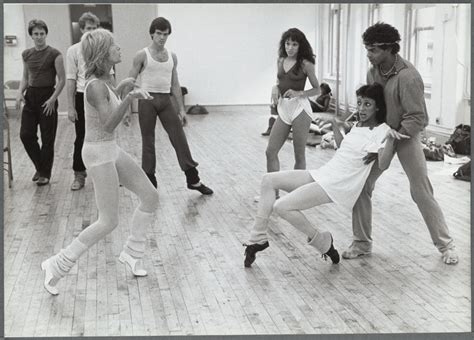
[295, 63]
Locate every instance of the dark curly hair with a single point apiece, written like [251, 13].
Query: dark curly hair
[161, 24]
[382, 35]
[304, 51]
[375, 92]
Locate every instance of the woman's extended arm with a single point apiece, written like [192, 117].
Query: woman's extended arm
[386, 153]
[275, 90]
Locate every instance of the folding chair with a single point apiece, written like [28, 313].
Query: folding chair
[10, 90]
[7, 164]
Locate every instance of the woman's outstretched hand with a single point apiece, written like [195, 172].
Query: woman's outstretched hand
[127, 83]
[139, 93]
[370, 157]
[394, 134]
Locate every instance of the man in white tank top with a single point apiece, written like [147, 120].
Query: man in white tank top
[157, 68]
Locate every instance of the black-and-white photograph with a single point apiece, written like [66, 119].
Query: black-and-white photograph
[236, 169]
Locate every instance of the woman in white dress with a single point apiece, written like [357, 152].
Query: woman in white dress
[340, 180]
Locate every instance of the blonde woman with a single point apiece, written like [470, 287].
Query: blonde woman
[108, 164]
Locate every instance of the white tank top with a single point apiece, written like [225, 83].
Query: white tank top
[156, 76]
[95, 131]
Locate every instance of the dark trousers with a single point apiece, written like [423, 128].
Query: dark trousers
[80, 125]
[160, 106]
[32, 116]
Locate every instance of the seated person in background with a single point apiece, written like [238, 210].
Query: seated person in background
[322, 101]
[272, 119]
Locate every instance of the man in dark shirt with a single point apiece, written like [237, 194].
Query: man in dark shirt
[41, 65]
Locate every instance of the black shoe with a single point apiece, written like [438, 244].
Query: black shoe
[250, 252]
[152, 179]
[267, 133]
[202, 189]
[333, 254]
[42, 181]
[36, 176]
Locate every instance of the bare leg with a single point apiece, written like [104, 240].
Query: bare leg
[284, 180]
[278, 136]
[304, 193]
[301, 126]
[307, 196]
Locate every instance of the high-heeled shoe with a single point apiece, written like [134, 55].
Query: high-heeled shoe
[132, 262]
[50, 280]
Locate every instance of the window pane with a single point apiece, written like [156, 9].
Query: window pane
[424, 40]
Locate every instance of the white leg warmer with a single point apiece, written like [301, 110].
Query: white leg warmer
[259, 231]
[62, 262]
[135, 244]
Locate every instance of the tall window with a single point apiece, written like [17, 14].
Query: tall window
[334, 14]
[422, 42]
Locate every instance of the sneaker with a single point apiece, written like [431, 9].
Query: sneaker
[449, 256]
[250, 252]
[36, 176]
[201, 188]
[42, 181]
[267, 133]
[79, 180]
[332, 254]
[353, 253]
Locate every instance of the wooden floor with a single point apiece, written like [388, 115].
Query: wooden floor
[197, 283]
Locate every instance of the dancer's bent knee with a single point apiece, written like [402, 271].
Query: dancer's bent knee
[267, 181]
[271, 152]
[279, 207]
[149, 201]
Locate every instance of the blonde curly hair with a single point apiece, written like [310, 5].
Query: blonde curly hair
[95, 47]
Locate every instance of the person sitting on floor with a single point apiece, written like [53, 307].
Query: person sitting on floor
[321, 104]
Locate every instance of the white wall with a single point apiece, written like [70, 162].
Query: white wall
[130, 36]
[227, 52]
[13, 18]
